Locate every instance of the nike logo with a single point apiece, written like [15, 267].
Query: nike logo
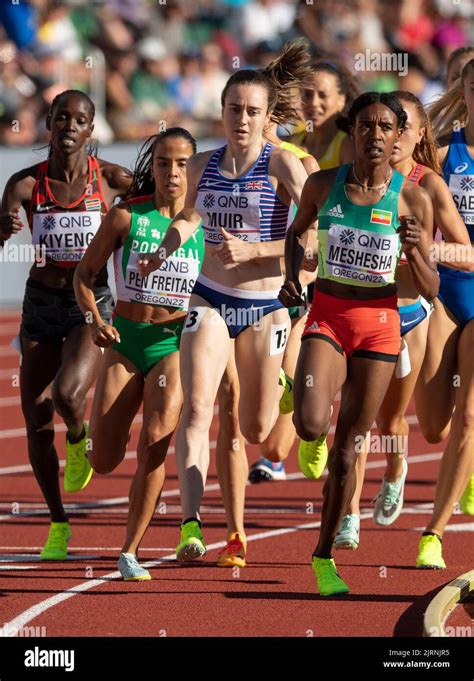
[413, 321]
[41, 207]
[99, 300]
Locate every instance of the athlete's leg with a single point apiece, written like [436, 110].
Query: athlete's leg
[353, 507]
[117, 398]
[231, 457]
[391, 418]
[279, 442]
[457, 463]
[437, 376]
[39, 365]
[362, 394]
[204, 353]
[80, 360]
[259, 353]
[162, 400]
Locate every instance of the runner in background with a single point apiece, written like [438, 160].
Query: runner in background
[448, 369]
[65, 198]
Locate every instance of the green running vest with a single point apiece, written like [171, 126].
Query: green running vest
[173, 283]
[359, 245]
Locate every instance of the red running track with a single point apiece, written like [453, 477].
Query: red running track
[84, 597]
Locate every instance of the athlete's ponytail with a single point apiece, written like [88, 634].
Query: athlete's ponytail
[289, 73]
[451, 107]
[143, 182]
[426, 150]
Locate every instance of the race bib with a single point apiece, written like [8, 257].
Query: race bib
[64, 237]
[358, 255]
[238, 214]
[462, 189]
[171, 285]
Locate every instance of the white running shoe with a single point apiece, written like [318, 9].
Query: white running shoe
[348, 534]
[389, 502]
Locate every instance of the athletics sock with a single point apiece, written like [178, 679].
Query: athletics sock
[190, 520]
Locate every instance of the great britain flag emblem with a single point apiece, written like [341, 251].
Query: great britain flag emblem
[254, 184]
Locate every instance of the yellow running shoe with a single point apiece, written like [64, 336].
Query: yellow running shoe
[286, 400]
[313, 457]
[466, 502]
[191, 546]
[78, 471]
[233, 553]
[430, 553]
[56, 545]
[328, 581]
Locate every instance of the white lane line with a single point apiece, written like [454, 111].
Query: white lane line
[33, 558]
[33, 612]
[454, 527]
[83, 548]
[61, 428]
[19, 567]
[77, 508]
[7, 374]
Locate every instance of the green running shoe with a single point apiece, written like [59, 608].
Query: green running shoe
[328, 581]
[466, 502]
[286, 400]
[56, 545]
[191, 546]
[313, 457]
[78, 471]
[430, 553]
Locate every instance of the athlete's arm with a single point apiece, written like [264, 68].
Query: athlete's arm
[306, 214]
[416, 228]
[16, 194]
[111, 235]
[184, 224]
[456, 251]
[310, 164]
[117, 179]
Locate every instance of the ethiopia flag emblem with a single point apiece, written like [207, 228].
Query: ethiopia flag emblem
[381, 217]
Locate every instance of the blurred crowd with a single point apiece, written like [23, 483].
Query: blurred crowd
[147, 61]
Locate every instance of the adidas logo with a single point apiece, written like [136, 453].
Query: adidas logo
[314, 327]
[336, 211]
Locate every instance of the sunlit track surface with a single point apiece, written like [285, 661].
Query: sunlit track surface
[274, 595]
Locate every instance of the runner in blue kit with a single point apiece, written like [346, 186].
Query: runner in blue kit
[65, 198]
[242, 192]
[451, 333]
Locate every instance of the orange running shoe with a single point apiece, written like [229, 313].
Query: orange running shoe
[233, 553]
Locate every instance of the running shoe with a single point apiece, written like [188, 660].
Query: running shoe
[130, 569]
[348, 535]
[466, 502]
[313, 457]
[191, 546]
[389, 502]
[430, 553]
[264, 470]
[78, 471]
[233, 553]
[286, 400]
[328, 581]
[56, 545]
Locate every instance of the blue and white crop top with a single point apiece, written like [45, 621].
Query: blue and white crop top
[458, 173]
[247, 206]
